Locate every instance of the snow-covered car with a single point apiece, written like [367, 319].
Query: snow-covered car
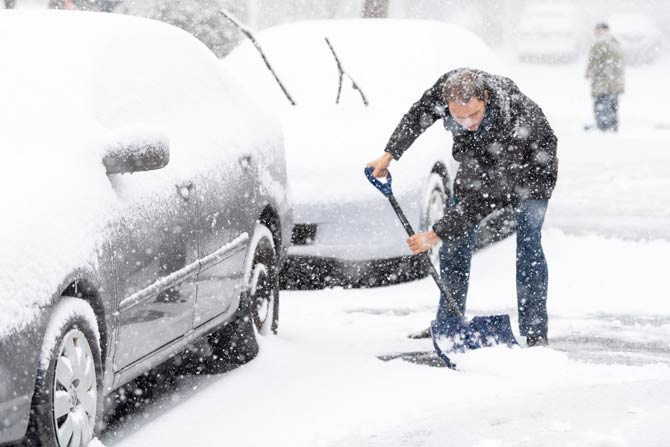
[639, 36]
[549, 32]
[144, 208]
[345, 232]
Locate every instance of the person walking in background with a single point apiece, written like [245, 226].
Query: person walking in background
[507, 154]
[605, 70]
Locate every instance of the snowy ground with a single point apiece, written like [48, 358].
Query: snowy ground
[604, 381]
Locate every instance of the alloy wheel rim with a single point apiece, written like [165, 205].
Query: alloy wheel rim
[74, 391]
[261, 298]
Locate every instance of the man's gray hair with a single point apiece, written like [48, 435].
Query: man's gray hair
[464, 85]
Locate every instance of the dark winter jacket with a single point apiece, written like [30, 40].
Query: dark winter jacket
[510, 157]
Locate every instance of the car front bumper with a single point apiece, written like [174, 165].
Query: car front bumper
[310, 272]
[356, 231]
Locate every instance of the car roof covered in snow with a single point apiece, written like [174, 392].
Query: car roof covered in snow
[73, 85]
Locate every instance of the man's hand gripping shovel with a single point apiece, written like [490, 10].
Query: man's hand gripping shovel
[455, 333]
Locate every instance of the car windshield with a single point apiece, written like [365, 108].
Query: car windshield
[374, 53]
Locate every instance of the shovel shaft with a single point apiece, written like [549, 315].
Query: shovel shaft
[425, 259]
[481, 331]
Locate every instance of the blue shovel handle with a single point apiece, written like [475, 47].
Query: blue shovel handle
[384, 188]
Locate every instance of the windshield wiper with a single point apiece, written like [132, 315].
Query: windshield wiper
[342, 73]
[247, 32]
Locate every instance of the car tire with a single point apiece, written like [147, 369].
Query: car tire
[236, 342]
[66, 405]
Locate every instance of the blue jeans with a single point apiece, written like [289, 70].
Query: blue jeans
[531, 268]
[605, 109]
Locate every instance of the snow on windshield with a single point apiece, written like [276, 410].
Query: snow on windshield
[389, 59]
[393, 62]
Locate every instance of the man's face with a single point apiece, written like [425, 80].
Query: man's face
[470, 114]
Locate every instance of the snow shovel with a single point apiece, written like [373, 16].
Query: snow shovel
[455, 333]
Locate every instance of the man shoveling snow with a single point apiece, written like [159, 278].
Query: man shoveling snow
[507, 155]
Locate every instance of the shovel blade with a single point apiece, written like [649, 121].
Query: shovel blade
[456, 334]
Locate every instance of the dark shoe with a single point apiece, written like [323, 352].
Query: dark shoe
[536, 340]
[421, 334]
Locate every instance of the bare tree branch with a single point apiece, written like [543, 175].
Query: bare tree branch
[342, 73]
[247, 32]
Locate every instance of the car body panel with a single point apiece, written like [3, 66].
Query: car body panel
[149, 246]
[359, 230]
[218, 281]
[134, 245]
[19, 353]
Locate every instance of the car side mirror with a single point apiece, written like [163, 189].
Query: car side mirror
[136, 156]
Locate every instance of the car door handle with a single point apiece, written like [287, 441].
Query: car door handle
[184, 189]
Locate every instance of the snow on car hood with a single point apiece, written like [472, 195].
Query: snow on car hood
[328, 148]
[392, 61]
[56, 197]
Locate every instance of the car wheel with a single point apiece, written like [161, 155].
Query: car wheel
[66, 404]
[236, 343]
[436, 205]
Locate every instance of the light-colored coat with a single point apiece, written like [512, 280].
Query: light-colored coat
[605, 67]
